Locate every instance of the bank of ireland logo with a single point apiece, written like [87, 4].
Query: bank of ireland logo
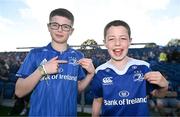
[138, 76]
[123, 93]
[107, 81]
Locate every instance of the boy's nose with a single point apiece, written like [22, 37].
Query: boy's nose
[117, 42]
[60, 28]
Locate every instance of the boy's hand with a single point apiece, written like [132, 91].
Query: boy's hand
[52, 65]
[157, 78]
[88, 65]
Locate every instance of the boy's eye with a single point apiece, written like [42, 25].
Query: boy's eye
[54, 25]
[123, 38]
[110, 39]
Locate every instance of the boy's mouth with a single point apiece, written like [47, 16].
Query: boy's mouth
[59, 35]
[117, 52]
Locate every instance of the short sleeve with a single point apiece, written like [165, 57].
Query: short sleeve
[27, 67]
[96, 87]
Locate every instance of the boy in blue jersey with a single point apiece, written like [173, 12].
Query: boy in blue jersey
[55, 73]
[121, 85]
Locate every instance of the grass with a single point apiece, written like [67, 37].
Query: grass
[4, 111]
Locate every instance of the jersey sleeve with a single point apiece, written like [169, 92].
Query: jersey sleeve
[27, 67]
[96, 87]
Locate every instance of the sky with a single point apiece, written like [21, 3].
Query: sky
[23, 23]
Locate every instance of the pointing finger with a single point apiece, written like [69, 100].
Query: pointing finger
[54, 58]
[62, 61]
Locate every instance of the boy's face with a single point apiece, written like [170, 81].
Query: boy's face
[59, 35]
[117, 42]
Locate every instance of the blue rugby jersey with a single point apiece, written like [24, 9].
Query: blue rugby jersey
[124, 92]
[54, 95]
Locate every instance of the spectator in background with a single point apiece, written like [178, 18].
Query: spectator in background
[122, 84]
[176, 55]
[4, 70]
[55, 73]
[162, 56]
[168, 105]
[152, 103]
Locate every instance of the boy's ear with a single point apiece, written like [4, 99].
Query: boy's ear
[48, 27]
[104, 41]
[72, 30]
[130, 40]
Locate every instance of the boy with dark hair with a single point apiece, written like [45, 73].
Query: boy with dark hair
[122, 84]
[55, 73]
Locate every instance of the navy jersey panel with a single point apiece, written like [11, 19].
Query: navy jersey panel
[56, 94]
[124, 92]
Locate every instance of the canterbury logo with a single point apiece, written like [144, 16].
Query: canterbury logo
[107, 80]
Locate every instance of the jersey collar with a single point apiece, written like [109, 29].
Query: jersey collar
[50, 48]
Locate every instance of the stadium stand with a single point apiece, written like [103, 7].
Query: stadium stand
[9, 90]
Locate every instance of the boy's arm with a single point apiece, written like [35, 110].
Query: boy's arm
[88, 65]
[96, 107]
[25, 86]
[161, 92]
[157, 79]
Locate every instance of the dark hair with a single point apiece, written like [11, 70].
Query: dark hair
[62, 12]
[117, 23]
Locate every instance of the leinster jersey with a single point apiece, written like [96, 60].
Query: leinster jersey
[124, 92]
[55, 94]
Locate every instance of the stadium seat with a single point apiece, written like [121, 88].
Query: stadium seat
[12, 77]
[9, 89]
[1, 87]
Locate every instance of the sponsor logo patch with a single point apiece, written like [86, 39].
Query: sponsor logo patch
[107, 81]
[123, 93]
